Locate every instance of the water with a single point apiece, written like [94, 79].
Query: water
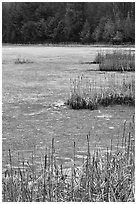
[33, 105]
[37, 127]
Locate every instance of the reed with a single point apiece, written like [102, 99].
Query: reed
[102, 177]
[116, 61]
[86, 94]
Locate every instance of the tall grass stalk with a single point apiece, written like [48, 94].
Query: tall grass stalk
[102, 177]
[11, 171]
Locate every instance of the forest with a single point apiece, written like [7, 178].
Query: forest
[68, 22]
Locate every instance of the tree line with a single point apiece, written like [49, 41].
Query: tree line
[65, 22]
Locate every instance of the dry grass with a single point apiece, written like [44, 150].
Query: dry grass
[101, 177]
[86, 94]
[23, 60]
[116, 61]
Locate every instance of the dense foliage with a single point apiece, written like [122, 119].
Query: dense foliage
[82, 22]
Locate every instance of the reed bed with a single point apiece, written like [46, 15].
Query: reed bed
[104, 91]
[116, 61]
[102, 177]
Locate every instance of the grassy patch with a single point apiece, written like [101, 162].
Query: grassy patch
[89, 95]
[116, 61]
[107, 176]
[22, 60]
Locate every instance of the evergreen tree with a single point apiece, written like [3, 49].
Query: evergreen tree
[98, 32]
[85, 34]
[129, 29]
[109, 31]
[34, 22]
[73, 21]
[58, 32]
[30, 32]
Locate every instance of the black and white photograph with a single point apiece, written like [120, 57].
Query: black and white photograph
[68, 101]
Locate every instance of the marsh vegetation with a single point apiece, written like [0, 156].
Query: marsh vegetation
[86, 94]
[107, 176]
[79, 155]
[116, 61]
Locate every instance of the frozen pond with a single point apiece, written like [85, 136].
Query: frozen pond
[33, 103]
